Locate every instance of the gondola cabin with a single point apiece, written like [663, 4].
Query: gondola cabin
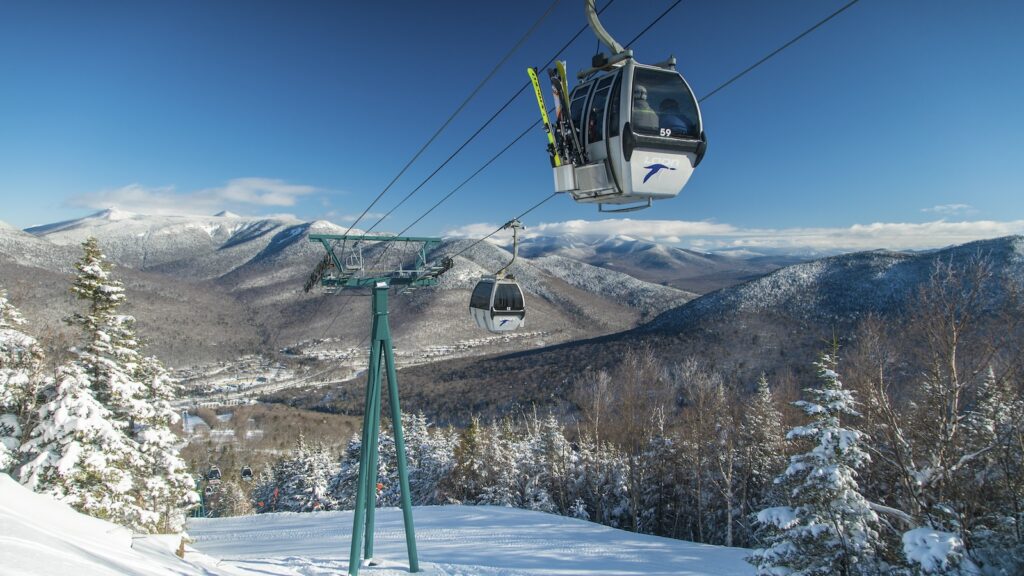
[246, 474]
[641, 130]
[497, 304]
[213, 475]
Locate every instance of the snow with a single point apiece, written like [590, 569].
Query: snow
[781, 516]
[935, 551]
[40, 536]
[456, 540]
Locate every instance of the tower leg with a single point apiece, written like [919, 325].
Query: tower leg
[370, 422]
[403, 472]
[371, 482]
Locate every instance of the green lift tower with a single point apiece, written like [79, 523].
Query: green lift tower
[343, 268]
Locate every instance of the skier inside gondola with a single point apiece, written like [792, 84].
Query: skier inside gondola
[644, 117]
[670, 118]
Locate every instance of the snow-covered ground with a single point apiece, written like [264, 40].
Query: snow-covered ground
[42, 537]
[456, 540]
[39, 536]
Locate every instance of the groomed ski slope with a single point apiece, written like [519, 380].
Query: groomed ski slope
[456, 541]
[39, 536]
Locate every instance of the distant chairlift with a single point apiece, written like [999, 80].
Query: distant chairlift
[497, 301]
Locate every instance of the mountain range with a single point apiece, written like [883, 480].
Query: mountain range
[775, 325]
[213, 288]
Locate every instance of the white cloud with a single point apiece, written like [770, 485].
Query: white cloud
[261, 191]
[347, 218]
[714, 236]
[167, 200]
[653, 230]
[950, 209]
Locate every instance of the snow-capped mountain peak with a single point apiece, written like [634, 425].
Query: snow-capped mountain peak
[113, 214]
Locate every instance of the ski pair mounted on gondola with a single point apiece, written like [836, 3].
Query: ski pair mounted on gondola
[553, 148]
[633, 132]
[565, 135]
[563, 143]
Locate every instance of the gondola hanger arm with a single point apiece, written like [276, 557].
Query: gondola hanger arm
[515, 225]
[599, 31]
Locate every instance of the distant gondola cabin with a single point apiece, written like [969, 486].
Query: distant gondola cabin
[497, 304]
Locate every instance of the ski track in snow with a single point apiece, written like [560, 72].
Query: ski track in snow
[455, 541]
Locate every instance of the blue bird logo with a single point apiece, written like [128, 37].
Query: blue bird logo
[503, 322]
[654, 169]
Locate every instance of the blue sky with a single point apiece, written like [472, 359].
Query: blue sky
[898, 124]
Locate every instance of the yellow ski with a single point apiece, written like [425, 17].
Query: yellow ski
[552, 151]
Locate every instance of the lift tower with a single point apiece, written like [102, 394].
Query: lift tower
[343, 268]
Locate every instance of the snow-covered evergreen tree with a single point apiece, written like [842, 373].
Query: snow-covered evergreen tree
[109, 352]
[552, 459]
[109, 359]
[76, 453]
[21, 384]
[829, 528]
[227, 498]
[763, 453]
[499, 461]
[990, 465]
[659, 502]
[431, 458]
[264, 491]
[466, 481]
[601, 478]
[302, 480]
[163, 484]
[345, 481]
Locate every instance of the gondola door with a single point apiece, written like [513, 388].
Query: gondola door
[665, 140]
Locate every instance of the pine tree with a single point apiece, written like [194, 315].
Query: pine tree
[344, 484]
[601, 475]
[465, 483]
[225, 499]
[164, 484]
[763, 448]
[498, 460]
[302, 480]
[109, 360]
[431, 458]
[21, 384]
[991, 463]
[110, 351]
[75, 453]
[659, 500]
[829, 528]
[552, 459]
[264, 492]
